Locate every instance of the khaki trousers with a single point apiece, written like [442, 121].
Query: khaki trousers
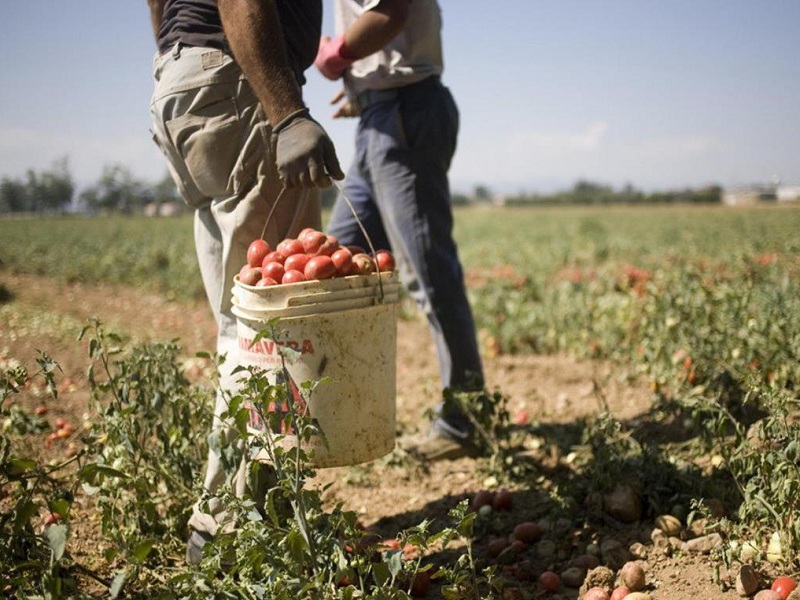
[216, 139]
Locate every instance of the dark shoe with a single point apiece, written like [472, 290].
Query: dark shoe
[438, 444]
[194, 546]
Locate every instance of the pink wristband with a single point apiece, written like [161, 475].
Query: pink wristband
[330, 61]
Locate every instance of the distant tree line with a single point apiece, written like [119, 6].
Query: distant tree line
[54, 191]
[587, 193]
[117, 190]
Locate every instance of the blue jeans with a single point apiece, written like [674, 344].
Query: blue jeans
[399, 188]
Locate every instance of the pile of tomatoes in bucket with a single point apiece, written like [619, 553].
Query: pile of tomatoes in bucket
[312, 255]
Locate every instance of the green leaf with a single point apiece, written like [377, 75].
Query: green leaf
[20, 466]
[142, 550]
[25, 512]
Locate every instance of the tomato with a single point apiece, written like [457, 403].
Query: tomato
[52, 518]
[549, 581]
[296, 262]
[784, 586]
[620, 593]
[503, 500]
[273, 257]
[273, 270]
[267, 282]
[343, 259]
[289, 246]
[329, 246]
[363, 264]
[421, 584]
[320, 267]
[304, 232]
[312, 241]
[293, 276]
[256, 252]
[41, 410]
[250, 275]
[596, 593]
[385, 260]
[482, 498]
[527, 532]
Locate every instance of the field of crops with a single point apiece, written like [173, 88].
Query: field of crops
[700, 303]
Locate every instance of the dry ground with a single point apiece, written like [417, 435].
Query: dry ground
[555, 390]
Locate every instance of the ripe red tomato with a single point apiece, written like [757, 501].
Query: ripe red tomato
[343, 259]
[385, 260]
[293, 276]
[619, 593]
[250, 275]
[304, 232]
[273, 257]
[289, 246]
[256, 252]
[274, 270]
[549, 581]
[503, 500]
[312, 241]
[329, 246]
[296, 262]
[527, 532]
[421, 584]
[482, 498]
[320, 267]
[783, 586]
[266, 282]
[52, 518]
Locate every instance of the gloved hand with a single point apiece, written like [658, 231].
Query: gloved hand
[332, 58]
[304, 154]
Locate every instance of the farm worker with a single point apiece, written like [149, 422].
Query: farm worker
[229, 116]
[389, 55]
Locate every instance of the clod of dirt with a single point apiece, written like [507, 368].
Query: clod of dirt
[573, 577]
[637, 596]
[767, 595]
[746, 581]
[703, 544]
[585, 562]
[670, 525]
[613, 554]
[601, 577]
[623, 503]
[632, 576]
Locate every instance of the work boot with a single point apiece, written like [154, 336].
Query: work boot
[194, 546]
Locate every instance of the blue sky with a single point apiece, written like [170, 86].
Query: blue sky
[657, 93]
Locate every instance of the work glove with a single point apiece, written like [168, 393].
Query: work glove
[332, 58]
[304, 154]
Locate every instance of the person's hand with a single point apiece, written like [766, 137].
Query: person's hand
[332, 58]
[346, 108]
[304, 154]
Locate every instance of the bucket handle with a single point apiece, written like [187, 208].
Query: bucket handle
[355, 215]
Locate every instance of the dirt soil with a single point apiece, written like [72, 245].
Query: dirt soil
[36, 313]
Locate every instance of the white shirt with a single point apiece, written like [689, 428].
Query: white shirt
[416, 52]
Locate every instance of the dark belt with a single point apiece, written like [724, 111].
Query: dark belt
[369, 97]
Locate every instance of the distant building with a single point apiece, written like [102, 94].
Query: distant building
[748, 195]
[787, 193]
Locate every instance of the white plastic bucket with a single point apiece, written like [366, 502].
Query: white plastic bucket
[345, 331]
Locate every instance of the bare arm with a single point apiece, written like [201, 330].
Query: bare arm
[254, 34]
[376, 28]
[156, 14]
